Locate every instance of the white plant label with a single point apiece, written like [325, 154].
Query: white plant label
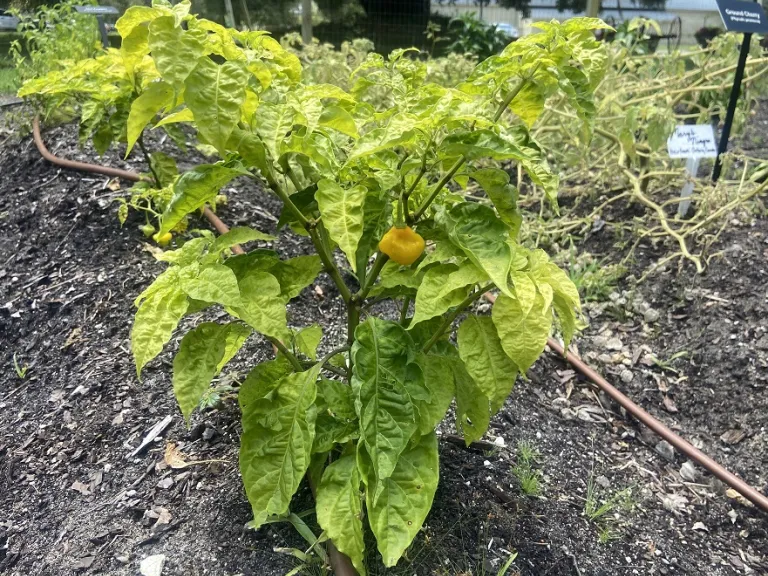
[692, 141]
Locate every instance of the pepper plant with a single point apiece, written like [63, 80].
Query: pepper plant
[381, 186]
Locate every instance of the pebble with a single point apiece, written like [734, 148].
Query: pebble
[614, 344]
[651, 315]
[688, 471]
[152, 565]
[626, 376]
[123, 559]
[165, 483]
[499, 442]
[603, 482]
[665, 449]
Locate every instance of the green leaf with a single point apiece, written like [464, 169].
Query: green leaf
[473, 411]
[215, 94]
[438, 378]
[342, 213]
[396, 281]
[525, 290]
[134, 17]
[273, 122]
[196, 363]
[338, 397]
[482, 236]
[484, 144]
[382, 354]
[276, 444]
[183, 115]
[161, 308]
[433, 298]
[339, 509]
[174, 51]
[523, 336]
[189, 253]
[261, 306]
[212, 283]
[154, 97]
[405, 498]
[165, 168]
[194, 189]
[485, 360]
[235, 338]
[339, 119]
[239, 235]
[296, 274]
[377, 216]
[308, 339]
[496, 184]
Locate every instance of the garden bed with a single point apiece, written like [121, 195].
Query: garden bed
[75, 500]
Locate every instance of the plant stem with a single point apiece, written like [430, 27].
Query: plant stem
[311, 227]
[462, 159]
[324, 360]
[448, 320]
[404, 310]
[287, 353]
[147, 158]
[371, 277]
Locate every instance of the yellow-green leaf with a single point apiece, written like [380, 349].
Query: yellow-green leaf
[485, 360]
[157, 317]
[215, 94]
[342, 212]
[404, 498]
[523, 336]
[154, 98]
[339, 509]
[276, 444]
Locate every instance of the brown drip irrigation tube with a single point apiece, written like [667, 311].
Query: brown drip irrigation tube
[679, 443]
[221, 228]
[341, 564]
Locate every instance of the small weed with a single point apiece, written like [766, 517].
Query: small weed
[21, 371]
[594, 278]
[528, 476]
[598, 510]
[9, 81]
[607, 534]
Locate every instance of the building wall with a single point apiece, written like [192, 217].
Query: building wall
[692, 20]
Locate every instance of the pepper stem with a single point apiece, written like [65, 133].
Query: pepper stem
[399, 220]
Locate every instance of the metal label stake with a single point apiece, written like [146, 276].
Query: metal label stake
[749, 18]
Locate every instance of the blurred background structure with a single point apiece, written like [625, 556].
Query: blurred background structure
[434, 26]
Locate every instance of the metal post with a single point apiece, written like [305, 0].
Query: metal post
[735, 91]
[230, 14]
[306, 21]
[103, 31]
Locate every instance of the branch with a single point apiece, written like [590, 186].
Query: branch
[287, 353]
[448, 320]
[462, 159]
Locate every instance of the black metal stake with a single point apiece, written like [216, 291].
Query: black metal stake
[735, 91]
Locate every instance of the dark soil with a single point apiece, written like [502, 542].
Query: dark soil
[74, 500]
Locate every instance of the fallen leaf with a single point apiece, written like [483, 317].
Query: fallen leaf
[173, 457]
[114, 185]
[733, 436]
[731, 493]
[669, 404]
[73, 337]
[84, 489]
[700, 526]
[84, 563]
